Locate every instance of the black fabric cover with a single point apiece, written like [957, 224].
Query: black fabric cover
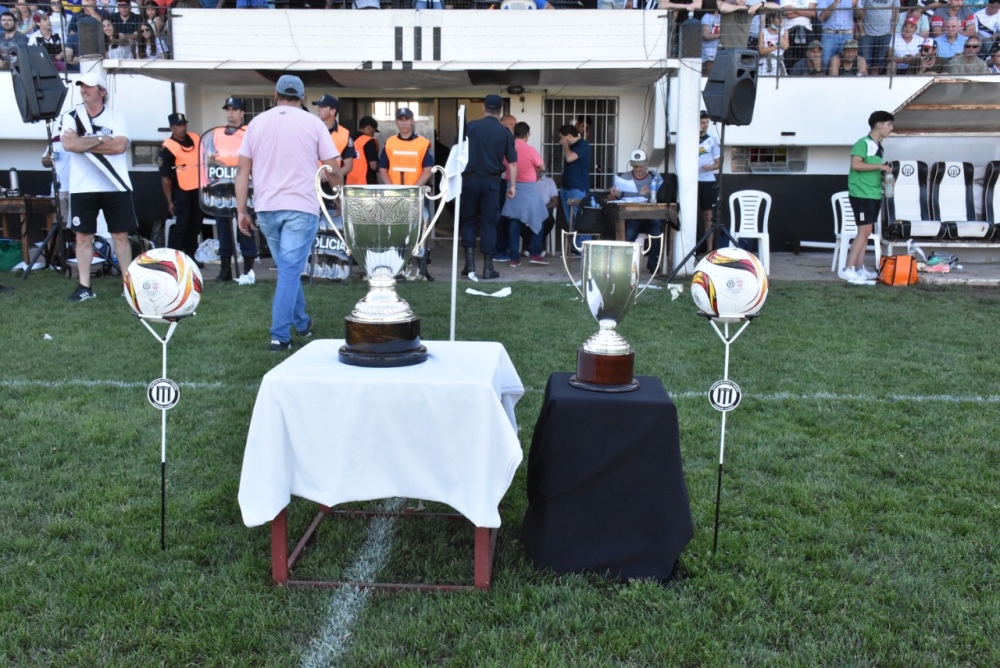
[606, 490]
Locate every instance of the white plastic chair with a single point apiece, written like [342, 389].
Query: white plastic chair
[517, 4]
[751, 221]
[845, 228]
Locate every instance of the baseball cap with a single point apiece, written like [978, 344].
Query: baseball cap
[493, 102]
[851, 44]
[92, 78]
[290, 85]
[177, 119]
[368, 121]
[328, 101]
[704, 114]
[929, 42]
[912, 20]
[404, 112]
[234, 102]
[638, 158]
[815, 44]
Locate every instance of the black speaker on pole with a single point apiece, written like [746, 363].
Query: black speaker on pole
[731, 90]
[38, 90]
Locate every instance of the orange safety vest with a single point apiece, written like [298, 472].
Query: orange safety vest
[358, 176]
[227, 146]
[340, 138]
[406, 158]
[185, 161]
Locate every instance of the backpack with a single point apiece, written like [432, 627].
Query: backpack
[897, 270]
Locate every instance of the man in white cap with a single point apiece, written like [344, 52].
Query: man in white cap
[96, 138]
[280, 149]
[642, 187]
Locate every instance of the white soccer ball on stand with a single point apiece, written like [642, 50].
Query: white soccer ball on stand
[729, 285]
[163, 285]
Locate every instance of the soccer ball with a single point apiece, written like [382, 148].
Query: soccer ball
[162, 285]
[729, 285]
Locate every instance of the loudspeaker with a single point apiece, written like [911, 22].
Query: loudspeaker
[731, 90]
[38, 90]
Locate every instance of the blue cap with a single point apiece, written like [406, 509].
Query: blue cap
[328, 101]
[290, 85]
[404, 112]
[493, 102]
[234, 102]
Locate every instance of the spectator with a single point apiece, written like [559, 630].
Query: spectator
[576, 171]
[709, 160]
[71, 51]
[837, 17]
[526, 207]
[848, 63]
[367, 4]
[148, 46]
[585, 126]
[994, 64]
[51, 41]
[905, 51]
[929, 62]
[60, 20]
[952, 42]
[771, 45]
[642, 180]
[877, 21]
[812, 64]
[709, 41]
[113, 48]
[969, 62]
[151, 15]
[799, 15]
[10, 38]
[24, 17]
[126, 22]
[549, 192]
[954, 10]
[923, 23]
[734, 22]
[987, 22]
[89, 10]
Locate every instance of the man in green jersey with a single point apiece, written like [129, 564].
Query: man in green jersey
[864, 187]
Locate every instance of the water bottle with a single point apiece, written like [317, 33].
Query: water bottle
[654, 188]
[888, 184]
[593, 202]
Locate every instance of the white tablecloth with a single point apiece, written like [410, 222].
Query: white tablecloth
[442, 431]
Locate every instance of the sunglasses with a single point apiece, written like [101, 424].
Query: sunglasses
[971, 46]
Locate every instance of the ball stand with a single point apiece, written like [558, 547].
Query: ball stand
[163, 394]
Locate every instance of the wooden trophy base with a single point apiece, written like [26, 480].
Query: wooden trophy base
[604, 373]
[382, 344]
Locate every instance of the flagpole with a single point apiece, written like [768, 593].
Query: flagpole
[457, 160]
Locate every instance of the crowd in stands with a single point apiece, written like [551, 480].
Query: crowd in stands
[129, 31]
[792, 37]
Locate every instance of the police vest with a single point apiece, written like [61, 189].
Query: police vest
[358, 176]
[185, 161]
[406, 159]
[227, 146]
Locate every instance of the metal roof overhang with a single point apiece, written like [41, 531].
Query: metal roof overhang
[952, 106]
[389, 76]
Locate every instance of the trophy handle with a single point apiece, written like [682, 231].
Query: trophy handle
[572, 281]
[443, 196]
[648, 246]
[321, 196]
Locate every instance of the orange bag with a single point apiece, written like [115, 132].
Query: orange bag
[898, 270]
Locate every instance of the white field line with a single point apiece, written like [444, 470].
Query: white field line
[334, 640]
[678, 394]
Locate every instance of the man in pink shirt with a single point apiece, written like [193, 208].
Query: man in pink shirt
[280, 150]
[526, 207]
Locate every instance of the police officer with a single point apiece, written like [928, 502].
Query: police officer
[225, 156]
[327, 108]
[365, 170]
[178, 161]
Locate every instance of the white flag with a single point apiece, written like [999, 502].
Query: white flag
[457, 160]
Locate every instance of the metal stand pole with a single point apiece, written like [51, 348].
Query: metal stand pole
[57, 230]
[724, 396]
[163, 394]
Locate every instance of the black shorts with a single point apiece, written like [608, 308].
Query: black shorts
[865, 210]
[117, 207]
[708, 195]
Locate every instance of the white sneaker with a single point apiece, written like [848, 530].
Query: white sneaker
[848, 274]
[867, 273]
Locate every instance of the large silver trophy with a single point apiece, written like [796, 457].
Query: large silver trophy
[609, 287]
[383, 227]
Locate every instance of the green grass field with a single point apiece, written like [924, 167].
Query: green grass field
[859, 520]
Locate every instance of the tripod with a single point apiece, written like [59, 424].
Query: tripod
[716, 228]
[54, 245]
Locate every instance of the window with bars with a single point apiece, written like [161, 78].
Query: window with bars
[767, 160]
[602, 116]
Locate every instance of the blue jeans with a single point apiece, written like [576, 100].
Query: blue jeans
[832, 43]
[565, 196]
[874, 49]
[651, 227]
[290, 236]
[534, 245]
